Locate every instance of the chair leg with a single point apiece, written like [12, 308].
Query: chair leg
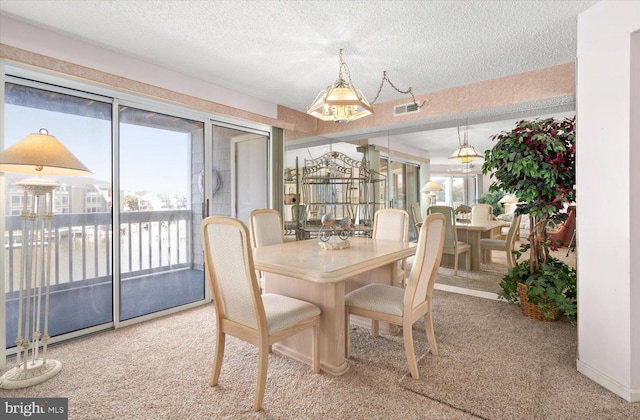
[431, 336]
[263, 363]
[316, 348]
[407, 334]
[217, 359]
[375, 327]
[468, 260]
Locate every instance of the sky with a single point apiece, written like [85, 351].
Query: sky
[151, 159]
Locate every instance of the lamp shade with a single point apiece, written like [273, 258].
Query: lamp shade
[430, 187]
[465, 154]
[41, 154]
[508, 198]
[341, 103]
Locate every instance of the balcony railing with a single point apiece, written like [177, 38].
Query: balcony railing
[150, 242]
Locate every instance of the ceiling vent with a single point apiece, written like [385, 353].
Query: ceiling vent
[410, 108]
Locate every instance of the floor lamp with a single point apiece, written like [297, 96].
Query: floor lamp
[430, 188]
[37, 154]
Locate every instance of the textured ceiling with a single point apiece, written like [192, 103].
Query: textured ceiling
[286, 51]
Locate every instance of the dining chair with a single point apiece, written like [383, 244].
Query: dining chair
[451, 244]
[266, 229]
[241, 310]
[383, 302]
[417, 216]
[481, 213]
[506, 245]
[392, 225]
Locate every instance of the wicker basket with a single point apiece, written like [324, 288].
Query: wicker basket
[532, 310]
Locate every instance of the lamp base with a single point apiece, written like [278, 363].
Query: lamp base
[36, 372]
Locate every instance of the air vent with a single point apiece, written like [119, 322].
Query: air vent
[411, 108]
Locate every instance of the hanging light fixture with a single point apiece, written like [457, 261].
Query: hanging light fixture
[342, 102]
[465, 153]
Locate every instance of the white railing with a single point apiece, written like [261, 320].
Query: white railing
[150, 242]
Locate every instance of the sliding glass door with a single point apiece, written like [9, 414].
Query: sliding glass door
[81, 270]
[125, 240]
[160, 210]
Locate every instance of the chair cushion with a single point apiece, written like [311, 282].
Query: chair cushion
[497, 244]
[462, 247]
[377, 297]
[283, 311]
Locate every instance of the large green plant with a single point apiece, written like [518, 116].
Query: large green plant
[536, 162]
[553, 288]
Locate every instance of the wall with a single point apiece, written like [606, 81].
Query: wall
[608, 276]
[41, 41]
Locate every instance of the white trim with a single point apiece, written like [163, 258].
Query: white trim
[72, 335]
[3, 295]
[631, 395]
[468, 292]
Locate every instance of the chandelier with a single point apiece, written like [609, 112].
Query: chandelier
[342, 102]
[465, 153]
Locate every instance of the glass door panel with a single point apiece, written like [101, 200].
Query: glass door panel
[398, 187]
[250, 174]
[239, 171]
[412, 187]
[81, 274]
[160, 211]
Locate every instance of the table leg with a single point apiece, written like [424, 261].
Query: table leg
[329, 297]
[472, 237]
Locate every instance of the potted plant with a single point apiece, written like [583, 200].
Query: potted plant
[536, 163]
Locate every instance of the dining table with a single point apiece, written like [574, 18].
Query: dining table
[310, 270]
[471, 233]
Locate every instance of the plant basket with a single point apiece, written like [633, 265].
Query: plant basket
[532, 310]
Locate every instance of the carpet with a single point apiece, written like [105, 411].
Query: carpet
[495, 363]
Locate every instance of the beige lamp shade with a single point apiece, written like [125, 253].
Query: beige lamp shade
[41, 154]
[465, 154]
[508, 198]
[430, 187]
[341, 103]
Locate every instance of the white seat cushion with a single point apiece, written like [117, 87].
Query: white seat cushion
[283, 312]
[377, 297]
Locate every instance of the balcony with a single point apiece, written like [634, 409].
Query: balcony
[159, 268]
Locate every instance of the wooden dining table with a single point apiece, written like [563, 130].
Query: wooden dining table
[471, 233]
[306, 271]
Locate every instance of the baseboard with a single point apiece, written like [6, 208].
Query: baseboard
[464, 291]
[631, 395]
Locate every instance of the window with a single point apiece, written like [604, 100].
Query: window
[456, 190]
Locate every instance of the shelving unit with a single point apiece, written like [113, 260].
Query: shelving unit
[335, 183]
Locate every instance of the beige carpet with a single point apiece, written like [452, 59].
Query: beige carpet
[489, 277]
[495, 363]
[160, 370]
